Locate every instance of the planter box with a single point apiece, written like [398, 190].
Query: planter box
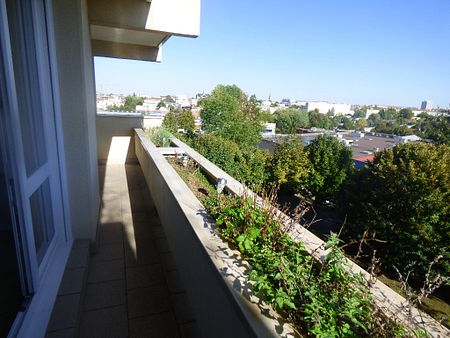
[215, 276]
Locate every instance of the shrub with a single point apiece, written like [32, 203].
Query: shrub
[160, 136]
[403, 198]
[332, 162]
[246, 165]
[325, 301]
[290, 167]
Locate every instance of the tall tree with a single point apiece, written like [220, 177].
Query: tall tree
[290, 167]
[289, 120]
[402, 198]
[230, 114]
[332, 163]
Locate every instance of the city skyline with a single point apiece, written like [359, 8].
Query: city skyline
[358, 53]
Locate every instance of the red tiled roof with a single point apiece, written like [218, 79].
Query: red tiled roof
[364, 158]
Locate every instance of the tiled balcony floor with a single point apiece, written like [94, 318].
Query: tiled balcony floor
[134, 289]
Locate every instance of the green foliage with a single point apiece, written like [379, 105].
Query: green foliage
[348, 124]
[360, 113]
[160, 136]
[390, 127]
[374, 119]
[170, 121]
[131, 101]
[406, 113]
[289, 120]
[246, 165]
[319, 120]
[183, 120]
[331, 163]
[186, 121]
[325, 301]
[361, 124]
[388, 114]
[289, 167]
[436, 128]
[230, 114]
[403, 198]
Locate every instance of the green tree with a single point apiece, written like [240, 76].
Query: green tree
[406, 113]
[436, 128]
[289, 120]
[161, 104]
[170, 122]
[360, 113]
[389, 114]
[348, 124]
[402, 198]
[331, 163]
[130, 103]
[319, 120]
[246, 165]
[186, 120]
[289, 167]
[230, 114]
[374, 119]
[360, 124]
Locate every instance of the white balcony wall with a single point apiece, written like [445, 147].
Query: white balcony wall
[77, 101]
[114, 137]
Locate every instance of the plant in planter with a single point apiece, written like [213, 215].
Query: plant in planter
[160, 136]
[321, 300]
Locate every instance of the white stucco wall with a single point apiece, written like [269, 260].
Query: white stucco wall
[77, 88]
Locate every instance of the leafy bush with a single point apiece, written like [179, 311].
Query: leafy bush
[403, 198]
[332, 162]
[160, 136]
[246, 165]
[183, 120]
[229, 113]
[289, 120]
[290, 167]
[325, 301]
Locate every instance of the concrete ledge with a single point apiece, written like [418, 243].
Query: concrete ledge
[215, 276]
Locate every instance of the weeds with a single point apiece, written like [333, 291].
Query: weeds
[160, 136]
[324, 300]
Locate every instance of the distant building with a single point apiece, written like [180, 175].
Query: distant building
[324, 107]
[407, 138]
[426, 105]
[361, 161]
[148, 105]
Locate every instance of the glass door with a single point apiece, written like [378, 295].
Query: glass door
[31, 134]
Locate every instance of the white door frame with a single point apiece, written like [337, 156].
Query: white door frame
[45, 277]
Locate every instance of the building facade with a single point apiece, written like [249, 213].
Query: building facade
[426, 105]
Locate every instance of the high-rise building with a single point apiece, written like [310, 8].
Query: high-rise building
[426, 105]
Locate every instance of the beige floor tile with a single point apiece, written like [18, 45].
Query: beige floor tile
[64, 313]
[108, 252]
[106, 294]
[105, 323]
[183, 310]
[143, 276]
[106, 271]
[148, 301]
[160, 325]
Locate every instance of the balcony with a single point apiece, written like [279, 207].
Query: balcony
[159, 268]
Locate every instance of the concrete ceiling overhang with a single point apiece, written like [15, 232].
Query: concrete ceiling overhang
[137, 29]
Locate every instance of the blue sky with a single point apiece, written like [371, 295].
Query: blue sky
[349, 51]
